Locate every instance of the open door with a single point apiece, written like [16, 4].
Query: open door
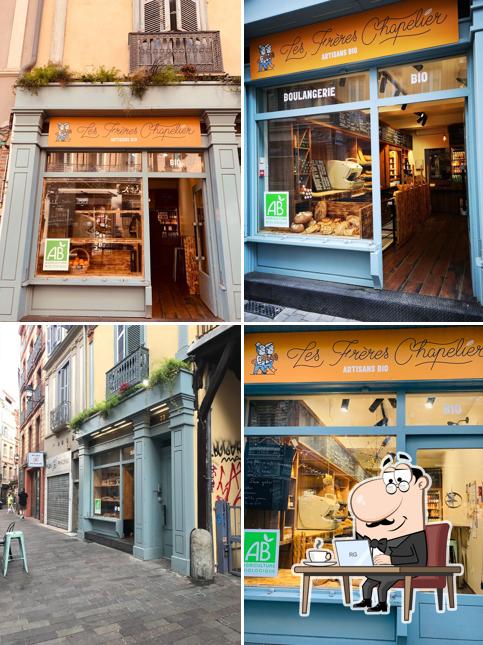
[202, 247]
[128, 500]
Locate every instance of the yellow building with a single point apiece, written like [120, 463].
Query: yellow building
[159, 444]
[126, 130]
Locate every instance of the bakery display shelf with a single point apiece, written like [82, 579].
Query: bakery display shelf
[104, 240]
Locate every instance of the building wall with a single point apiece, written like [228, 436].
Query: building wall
[8, 437]
[103, 357]
[225, 16]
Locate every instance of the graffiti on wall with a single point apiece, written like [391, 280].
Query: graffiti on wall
[226, 470]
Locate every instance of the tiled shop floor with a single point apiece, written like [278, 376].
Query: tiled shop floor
[82, 592]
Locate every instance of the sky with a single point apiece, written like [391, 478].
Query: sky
[9, 358]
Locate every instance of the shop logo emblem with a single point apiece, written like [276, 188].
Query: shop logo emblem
[63, 132]
[266, 356]
[265, 58]
[261, 552]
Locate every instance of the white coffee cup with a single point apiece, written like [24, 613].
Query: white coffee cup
[319, 555]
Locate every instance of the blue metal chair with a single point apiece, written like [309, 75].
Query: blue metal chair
[7, 550]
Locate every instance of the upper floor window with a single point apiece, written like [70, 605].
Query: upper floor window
[170, 15]
[128, 339]
[55, 334]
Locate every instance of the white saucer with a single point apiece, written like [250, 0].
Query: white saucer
[319, 564]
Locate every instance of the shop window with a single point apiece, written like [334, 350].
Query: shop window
[425, 76]
[93, 162]
[329, 91]
[318, 179]
[107, 457]
[176, 162]
[128, 453]
[330, 410]
[301, 485]
[456, 495]
[106, 491]
[91, 228]
[444, 409]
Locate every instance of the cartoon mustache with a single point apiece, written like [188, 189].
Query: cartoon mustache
[384, 522]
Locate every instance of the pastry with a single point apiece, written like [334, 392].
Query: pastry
[340, 228]
[321, 210]
[297, 228]
[313, 228]
[327, 229]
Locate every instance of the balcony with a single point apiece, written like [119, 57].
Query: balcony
[200, 49]
[32, 404]
[35, 355]
[60, 417]
[130, 371]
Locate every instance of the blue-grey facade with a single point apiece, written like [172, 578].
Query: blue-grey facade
[360, 262]
[152, 431]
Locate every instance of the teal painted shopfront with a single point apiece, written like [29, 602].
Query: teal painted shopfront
[136, 474]
[329, 406]
[375, 143]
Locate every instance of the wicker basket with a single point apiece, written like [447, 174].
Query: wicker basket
[79, 260]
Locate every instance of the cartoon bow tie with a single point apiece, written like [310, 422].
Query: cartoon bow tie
[379, 544]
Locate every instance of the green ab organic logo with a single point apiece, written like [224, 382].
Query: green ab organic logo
[56, 256]
[276, 209]
[261, 552]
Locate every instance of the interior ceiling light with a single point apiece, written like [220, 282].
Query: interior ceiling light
[458, 423]
[375, 404]
[418, 68]
[430, 402]
[383, 83]
[403, 107]
[422, 118]
[342, 81]
[344, 405]
[461, 81]
[393, 402]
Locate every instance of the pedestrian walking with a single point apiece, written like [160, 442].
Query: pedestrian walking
[10, 501]
[22, 503]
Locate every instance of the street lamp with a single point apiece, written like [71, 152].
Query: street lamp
[29, 392]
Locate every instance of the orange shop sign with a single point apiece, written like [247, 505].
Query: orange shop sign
[125, 132]
[447, 353]
[398, 28]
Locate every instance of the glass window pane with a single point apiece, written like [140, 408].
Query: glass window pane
[301, 486]
[319, 178]
[93, 162]
[447, 74]
[329, 91]
[100, 220]
[107, 457]
[106, 491]
[128, 453]
[456, 496]
[436, 409]
[176, 162]
[323, 410]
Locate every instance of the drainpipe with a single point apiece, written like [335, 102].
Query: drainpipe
[36, 38]
[58, 32]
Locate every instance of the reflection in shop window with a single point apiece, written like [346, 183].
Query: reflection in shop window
[331, 410]
[93, 162]
[425, 76]
[456, 495]
[319, 176]
[176, 162]
[97, 226]
[441, 409]
[107, 491]
[301, 485]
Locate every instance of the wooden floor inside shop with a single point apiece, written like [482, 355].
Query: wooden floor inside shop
[172, 301]
[434, 262]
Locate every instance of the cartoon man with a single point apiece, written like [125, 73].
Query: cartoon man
[390, 511]
[259, 363]
[270, 357]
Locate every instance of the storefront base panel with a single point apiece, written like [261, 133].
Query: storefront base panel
[334, 265]
[277, 621]
[180, 565]
[148, 553]
[349, 301]
[87, 301]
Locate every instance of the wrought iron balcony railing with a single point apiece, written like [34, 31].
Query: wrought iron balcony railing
[199, 49]
[36, 351]
[60, 417]
[32, 404]
[130, 371]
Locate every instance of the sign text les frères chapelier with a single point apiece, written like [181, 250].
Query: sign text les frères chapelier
[365, 355]
[392, 29]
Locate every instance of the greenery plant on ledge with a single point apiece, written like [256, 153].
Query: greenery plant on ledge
[164, 375]
[154, 76]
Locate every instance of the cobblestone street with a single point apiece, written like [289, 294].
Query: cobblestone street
[81, 592]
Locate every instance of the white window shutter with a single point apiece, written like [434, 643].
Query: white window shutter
[188, 17]
[154, 16]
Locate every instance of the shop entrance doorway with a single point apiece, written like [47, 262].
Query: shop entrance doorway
[128, 501]
[166, 501]
[179, 274]
[424, 199]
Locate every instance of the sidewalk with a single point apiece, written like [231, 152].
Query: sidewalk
[287, 314]
[82, 592]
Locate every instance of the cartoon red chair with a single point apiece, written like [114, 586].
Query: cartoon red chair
[437, 537]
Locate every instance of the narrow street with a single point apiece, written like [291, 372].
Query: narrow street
[81, 592]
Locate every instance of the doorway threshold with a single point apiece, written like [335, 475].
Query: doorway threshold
[357, 303]
[121, 544]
